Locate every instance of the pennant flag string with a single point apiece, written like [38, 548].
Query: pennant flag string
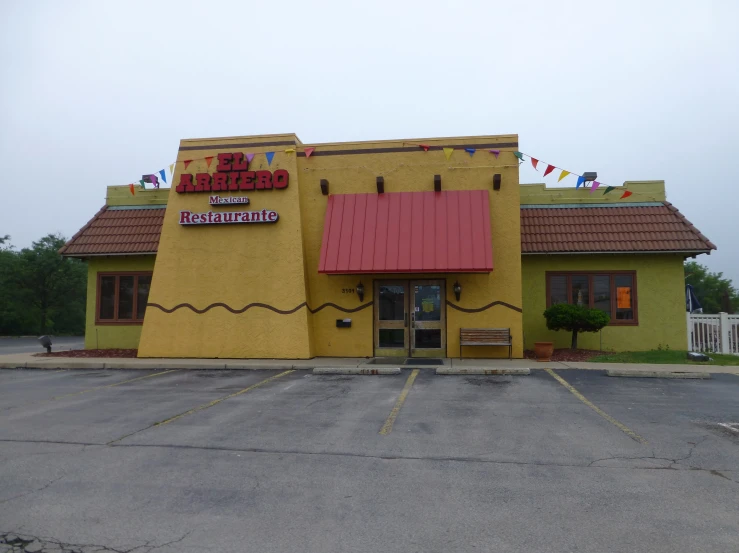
[470, 151]
[580, 180]
[270, 156]
[448, 153]
[496, 153]
[308, 151]
[595, 185]
[534, 162]
[563, 175]
[163, 174]
[548, 170]
[425, 147]
[609, 189]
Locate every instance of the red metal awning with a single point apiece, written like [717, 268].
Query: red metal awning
[407, 232]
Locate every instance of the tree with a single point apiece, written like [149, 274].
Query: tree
[40, 291]
[575, 318]
[714, 292]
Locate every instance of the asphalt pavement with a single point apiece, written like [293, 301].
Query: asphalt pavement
[273, 461]
[30, 344]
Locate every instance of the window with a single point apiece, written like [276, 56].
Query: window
[612, 292]
[122, 297]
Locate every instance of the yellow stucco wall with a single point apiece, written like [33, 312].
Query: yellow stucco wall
[413, 171]
[236, 265]
[660, 298]
[111, 336]
[277, 265]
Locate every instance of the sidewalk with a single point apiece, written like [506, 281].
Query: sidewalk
[28, 361]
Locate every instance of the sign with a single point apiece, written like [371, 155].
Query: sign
[217, 200]
[232, 175]
[228, 217]
[623, 297]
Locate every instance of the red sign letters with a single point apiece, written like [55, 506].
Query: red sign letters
[232, 174]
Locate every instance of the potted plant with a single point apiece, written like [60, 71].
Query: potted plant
[574, 318]
[543, 351]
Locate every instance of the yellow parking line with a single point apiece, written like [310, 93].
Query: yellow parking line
[622, 427]
[388, 426]
[219, 400]
[111, 385]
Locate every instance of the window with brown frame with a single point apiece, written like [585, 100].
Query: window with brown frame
[611, 291]
[122, 297]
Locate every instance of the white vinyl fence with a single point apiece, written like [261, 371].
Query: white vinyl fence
[713, 333]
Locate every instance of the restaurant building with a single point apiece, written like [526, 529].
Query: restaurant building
[265, 247]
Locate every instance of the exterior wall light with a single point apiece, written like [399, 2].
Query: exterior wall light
[590, 176]
[324, 187]
[496, 181]
[360, 291]
[457, 289]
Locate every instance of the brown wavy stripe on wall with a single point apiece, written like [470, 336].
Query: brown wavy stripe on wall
[484, 307]
[264, 305]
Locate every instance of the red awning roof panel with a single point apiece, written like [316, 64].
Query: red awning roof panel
[407, 232]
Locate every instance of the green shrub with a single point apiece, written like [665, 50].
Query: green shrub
[575, 318]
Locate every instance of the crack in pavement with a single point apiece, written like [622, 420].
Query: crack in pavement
[25, 542]
[42, 488]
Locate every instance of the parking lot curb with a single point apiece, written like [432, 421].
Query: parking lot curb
[13, 365]
[655, 374]
[481, 370]
[356, 370]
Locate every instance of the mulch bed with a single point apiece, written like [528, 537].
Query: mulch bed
[564, 355]
[91, 353]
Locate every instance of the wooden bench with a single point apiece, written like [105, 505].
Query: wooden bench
[486, 337]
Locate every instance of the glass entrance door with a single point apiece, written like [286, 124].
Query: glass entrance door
[391, 318]
[410, 318]
[428, 318]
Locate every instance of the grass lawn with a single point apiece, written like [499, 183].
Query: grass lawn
[662, 356]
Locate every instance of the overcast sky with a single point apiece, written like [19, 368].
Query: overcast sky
[98, 93]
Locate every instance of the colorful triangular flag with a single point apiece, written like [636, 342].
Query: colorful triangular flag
[132, 189]
[309, 151]
[535, 162]
[269, 156]
[163, 173]
[608, 189]
[448, 153]
[470, 151]
[580, 180]
[424, 146]
[187, 162]
[171, 168]
[208, 160]
[249, 157]
[563, 175]
[519, 155]
[595, 185]
[154, 180]
[626, 195]
[289, 151]
[496, 153]
[548, 170]
[143, 184]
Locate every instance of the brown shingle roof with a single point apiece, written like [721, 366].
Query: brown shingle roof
[118, 231]
[657, 227]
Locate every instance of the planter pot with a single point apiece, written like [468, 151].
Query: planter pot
[543, 351]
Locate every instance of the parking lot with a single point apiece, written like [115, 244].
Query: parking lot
[273, 461]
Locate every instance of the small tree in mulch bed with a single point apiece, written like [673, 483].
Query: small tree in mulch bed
[575, 318]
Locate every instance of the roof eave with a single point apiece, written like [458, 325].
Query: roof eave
[624, 252]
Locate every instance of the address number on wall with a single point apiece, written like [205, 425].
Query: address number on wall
[348, 290]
